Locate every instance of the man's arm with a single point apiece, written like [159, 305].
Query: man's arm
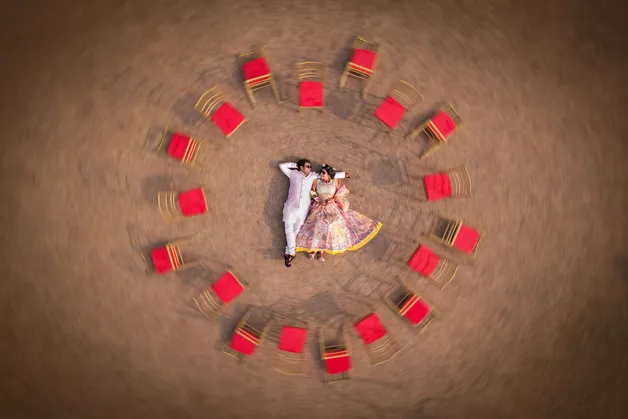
[287, 167]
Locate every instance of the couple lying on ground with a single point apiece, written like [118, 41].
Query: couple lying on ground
[316, 214]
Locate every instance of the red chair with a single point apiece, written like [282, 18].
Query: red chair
[291, 349]
[362, 63]
[223, 292]
[176, 205]
[451, 183]
[379, 345]
[336, 359]
[456, 235]
[402, 98]
[181, 147]
[245, 339]
[169, 258]
[257, 74]
[438, 128]
[214, 106]
[410, 306]
[438, 269]
[311, 78]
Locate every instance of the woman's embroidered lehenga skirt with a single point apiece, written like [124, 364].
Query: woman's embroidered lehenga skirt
[331, 229]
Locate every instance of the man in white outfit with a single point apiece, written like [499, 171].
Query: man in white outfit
[297, 205]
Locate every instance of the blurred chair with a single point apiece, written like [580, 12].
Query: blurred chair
[168, 258]
[410, 306]
[213, 105]
[401, 98]
[438, 269]
[336, 358]
[291, 356]
[438, 128]
[257, 74]
[311, 77]
[380, 346]
[223, 292]
[456, 235]
[450, 183]
[175, 205]
[180, 146]
[245, 339]
[362, 64]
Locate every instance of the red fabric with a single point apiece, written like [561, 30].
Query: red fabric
[192, 202]
[370, 328]
[390, 112]
[443, 122]
[227, 288]
[178, 145]
[161, 260]
[466, 239]
[256, 68]
[227, 118]
[424, 261]
[311, 94]
[241, 344]
[418, 311]
[437, 186]
[338, 365]
[364, 58]
[292, 339]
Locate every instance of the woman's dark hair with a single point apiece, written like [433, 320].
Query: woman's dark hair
[301, 163]
[330, 170]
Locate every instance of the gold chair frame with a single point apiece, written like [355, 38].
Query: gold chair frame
[242, 324]
[384, 349]
[460, 181]
[311, 71]
[211, 100]
[182, 265]
[209, 304]
[404, 93]
[434, 141]
[452, 228]
[409, 292]
[258, 82]
[354, 71]
[192, 161]
[290, 363]
[342, 345]
[168, 204]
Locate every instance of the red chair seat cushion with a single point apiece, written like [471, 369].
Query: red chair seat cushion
[363, 60]
[181, 146]
[192, 202]
[227, 118]
[466, 239]
[424, 261]
[437, 186]
[338, 364]
[256, 71]
[243, 342]
[227, 288]
[165, 259]
[311, 94]
[292, 339]
[370, 328]
[415, 310]
[442, 125]
[390, 112]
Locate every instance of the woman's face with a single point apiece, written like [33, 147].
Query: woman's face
[325, 176]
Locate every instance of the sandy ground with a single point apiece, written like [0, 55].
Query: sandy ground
[535, 326]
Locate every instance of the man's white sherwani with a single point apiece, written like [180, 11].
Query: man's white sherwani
[297, 205]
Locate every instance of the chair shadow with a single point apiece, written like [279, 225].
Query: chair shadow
[344, 55]
[154, 184]
[184, 108]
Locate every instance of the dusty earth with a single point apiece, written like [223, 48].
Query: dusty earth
[535, 326]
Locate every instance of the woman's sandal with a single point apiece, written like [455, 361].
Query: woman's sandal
[321, 258]
[288, 260]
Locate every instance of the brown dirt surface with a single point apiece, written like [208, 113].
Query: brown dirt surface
[535, 326]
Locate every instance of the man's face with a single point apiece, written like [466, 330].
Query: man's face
[306, 169]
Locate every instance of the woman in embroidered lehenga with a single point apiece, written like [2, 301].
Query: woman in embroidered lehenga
[331, 227]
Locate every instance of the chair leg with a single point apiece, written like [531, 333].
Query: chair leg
[251, 97]
[275, 91]
[367, 87]
[343, 79]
